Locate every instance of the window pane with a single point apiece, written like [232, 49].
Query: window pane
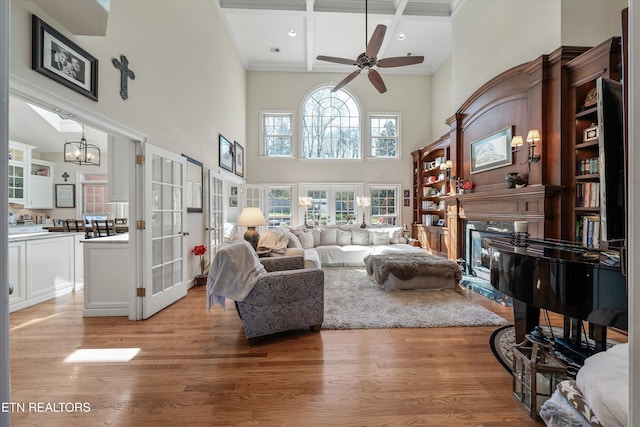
[277, 134]
[384, 139]
[278, 207]
[383, 205]
[331, 126]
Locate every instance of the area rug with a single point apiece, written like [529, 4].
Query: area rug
[503, 339]
[352, 300]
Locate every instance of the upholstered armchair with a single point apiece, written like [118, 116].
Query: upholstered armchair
[283, 296]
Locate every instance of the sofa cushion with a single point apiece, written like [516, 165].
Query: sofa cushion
[306, 240]
[294, 242]
[344, 237]
[360, 236]
[381, 238]
[315, 232]
[328, 236]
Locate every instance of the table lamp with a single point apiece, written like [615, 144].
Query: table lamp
[363, 202]
[251, 218]
[306, 203]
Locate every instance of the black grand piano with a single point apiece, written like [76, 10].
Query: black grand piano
[580, 284]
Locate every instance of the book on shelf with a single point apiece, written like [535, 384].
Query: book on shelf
[588, 230]
[588, 194]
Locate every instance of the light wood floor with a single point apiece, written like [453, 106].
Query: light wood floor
[195, 369]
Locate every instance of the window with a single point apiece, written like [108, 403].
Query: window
[278, 206]
[330, 125]
[95, 196]
[276, 131]
[384, 136]
[332, 203]
[384, 204]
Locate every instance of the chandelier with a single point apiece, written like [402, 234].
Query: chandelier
[81, 152]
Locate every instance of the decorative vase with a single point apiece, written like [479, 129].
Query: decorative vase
[200, 280]
[513, 179]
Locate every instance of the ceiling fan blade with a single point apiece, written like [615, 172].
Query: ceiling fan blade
[337, 60]
[376, 79]
[399, 61]
[376, 41]
[346, 80]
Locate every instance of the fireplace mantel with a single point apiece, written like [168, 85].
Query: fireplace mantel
[537, 204]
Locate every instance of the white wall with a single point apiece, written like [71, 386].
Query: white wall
[408, 95]
[190, 84]
[590, 22]
[441, 101]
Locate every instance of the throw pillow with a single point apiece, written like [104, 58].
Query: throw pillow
[380, 238]
[315, 232]
[344, 237]
[306, 240]
[395, 234]
[276, 242]
[328, 236]
[294, 242]
[360, 236]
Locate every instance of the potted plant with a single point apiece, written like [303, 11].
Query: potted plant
[201, 279]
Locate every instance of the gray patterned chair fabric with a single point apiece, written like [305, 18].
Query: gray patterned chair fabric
[283, 301]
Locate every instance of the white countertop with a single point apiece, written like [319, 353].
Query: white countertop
[118, 238]
[36, 236]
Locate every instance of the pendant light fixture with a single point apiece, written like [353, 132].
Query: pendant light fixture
[81, 152]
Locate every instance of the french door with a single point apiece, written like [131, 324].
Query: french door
[165, 209]
[332, 203]
[215, 224]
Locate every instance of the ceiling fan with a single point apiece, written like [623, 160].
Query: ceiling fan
[367, 60]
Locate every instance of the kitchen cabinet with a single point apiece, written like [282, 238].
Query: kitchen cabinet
[42, 266]
[19, 155]
[40, 185]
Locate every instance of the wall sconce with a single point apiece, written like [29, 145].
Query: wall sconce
[532, 137]
[446, 167]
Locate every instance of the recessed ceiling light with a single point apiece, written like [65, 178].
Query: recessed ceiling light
[402, 36]
[292, 33]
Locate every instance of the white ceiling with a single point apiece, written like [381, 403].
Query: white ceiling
[337, 28]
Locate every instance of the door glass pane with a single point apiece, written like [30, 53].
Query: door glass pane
[168, 275]
[177, 198]
[156, 252]
[177, 271]
[318, 211]
[177, 173]
[156, 224]
[156, 196]
[156, 279]
[167, 171]
[166, 197]
[156, 169]
[167, 249]
[167, 223]
[345, 207]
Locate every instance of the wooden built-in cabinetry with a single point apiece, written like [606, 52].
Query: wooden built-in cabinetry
[430, 188]
[603, 61]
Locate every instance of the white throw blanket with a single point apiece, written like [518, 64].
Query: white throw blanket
[234, 272]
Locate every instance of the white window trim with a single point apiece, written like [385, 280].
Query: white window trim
[370, 155]
[294, 126]
[301, 130]
[399, 196]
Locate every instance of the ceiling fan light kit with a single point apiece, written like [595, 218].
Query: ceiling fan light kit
[368, 59]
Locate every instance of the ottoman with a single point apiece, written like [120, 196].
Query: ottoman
[413, 271]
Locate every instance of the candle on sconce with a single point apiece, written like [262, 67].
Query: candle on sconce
[521, 226]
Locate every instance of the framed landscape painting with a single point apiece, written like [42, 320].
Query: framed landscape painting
[225, 153]
[60, 59]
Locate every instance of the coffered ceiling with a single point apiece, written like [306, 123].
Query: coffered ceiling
[260, 32]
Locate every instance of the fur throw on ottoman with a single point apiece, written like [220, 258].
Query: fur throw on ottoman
[409, 265]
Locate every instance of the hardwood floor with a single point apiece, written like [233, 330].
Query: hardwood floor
[197, 369]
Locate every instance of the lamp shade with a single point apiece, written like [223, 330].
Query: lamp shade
[516, 141]
[363, 201]
[251, 217]
[533, 136]
[305, 202]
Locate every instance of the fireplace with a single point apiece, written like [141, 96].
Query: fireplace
[477, 257]
[477, 235]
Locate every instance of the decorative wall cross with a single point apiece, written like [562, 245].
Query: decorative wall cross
[125, 74]
[65, 176]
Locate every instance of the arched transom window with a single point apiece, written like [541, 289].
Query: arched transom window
[330, 125]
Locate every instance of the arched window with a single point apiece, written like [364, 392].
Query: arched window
[330, 125]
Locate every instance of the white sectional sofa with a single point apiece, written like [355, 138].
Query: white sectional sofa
[333, 246]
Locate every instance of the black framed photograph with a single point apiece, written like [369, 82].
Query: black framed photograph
[233, 202]
[60, 59]
[234, 191]
[65, 195]
[407, 193]
[238, 152]
[225, 153]
[491, 152]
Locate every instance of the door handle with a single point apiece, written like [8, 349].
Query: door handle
[10, 288]
[186, 233]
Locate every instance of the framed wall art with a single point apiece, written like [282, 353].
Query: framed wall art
[238, 152]
[65, 196]
[60, 59]
[225, 153]
[491, 152]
